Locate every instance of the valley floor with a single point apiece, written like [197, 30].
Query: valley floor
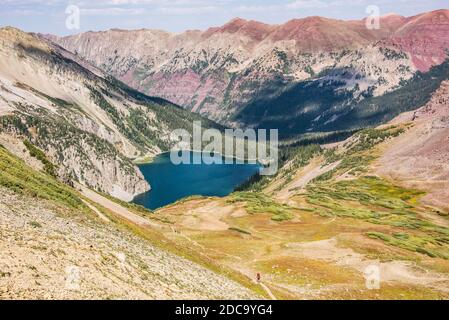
[309, 257]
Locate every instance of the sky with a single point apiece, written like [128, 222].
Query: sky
[60, 16]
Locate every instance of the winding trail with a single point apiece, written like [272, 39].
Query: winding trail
[91, 207]
[116, 208]
[268, 291]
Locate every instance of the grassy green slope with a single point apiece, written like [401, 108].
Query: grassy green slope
[16, 175]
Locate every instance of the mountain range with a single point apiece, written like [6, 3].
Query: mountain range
[246, 73]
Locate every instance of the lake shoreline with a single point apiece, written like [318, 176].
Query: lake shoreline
[150, 158]
[171, 183]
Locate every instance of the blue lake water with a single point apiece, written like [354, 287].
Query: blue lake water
[170, 182]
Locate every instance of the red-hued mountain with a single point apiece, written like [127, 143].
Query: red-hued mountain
[217, 72]
[425, 37]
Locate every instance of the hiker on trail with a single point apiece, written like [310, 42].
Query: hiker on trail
[258, 277]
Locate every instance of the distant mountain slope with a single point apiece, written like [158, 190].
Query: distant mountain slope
[90, 125]
[322, 104]
[220, 71]
[420, 157]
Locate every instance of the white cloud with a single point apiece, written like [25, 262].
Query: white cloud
[186, 10]
[262, 8]
[303, 4]
[112, 11]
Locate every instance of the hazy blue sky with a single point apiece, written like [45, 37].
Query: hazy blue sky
[49, 16]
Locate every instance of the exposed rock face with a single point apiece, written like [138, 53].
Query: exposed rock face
[89, 125]
[420, 157]
[219, 71]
